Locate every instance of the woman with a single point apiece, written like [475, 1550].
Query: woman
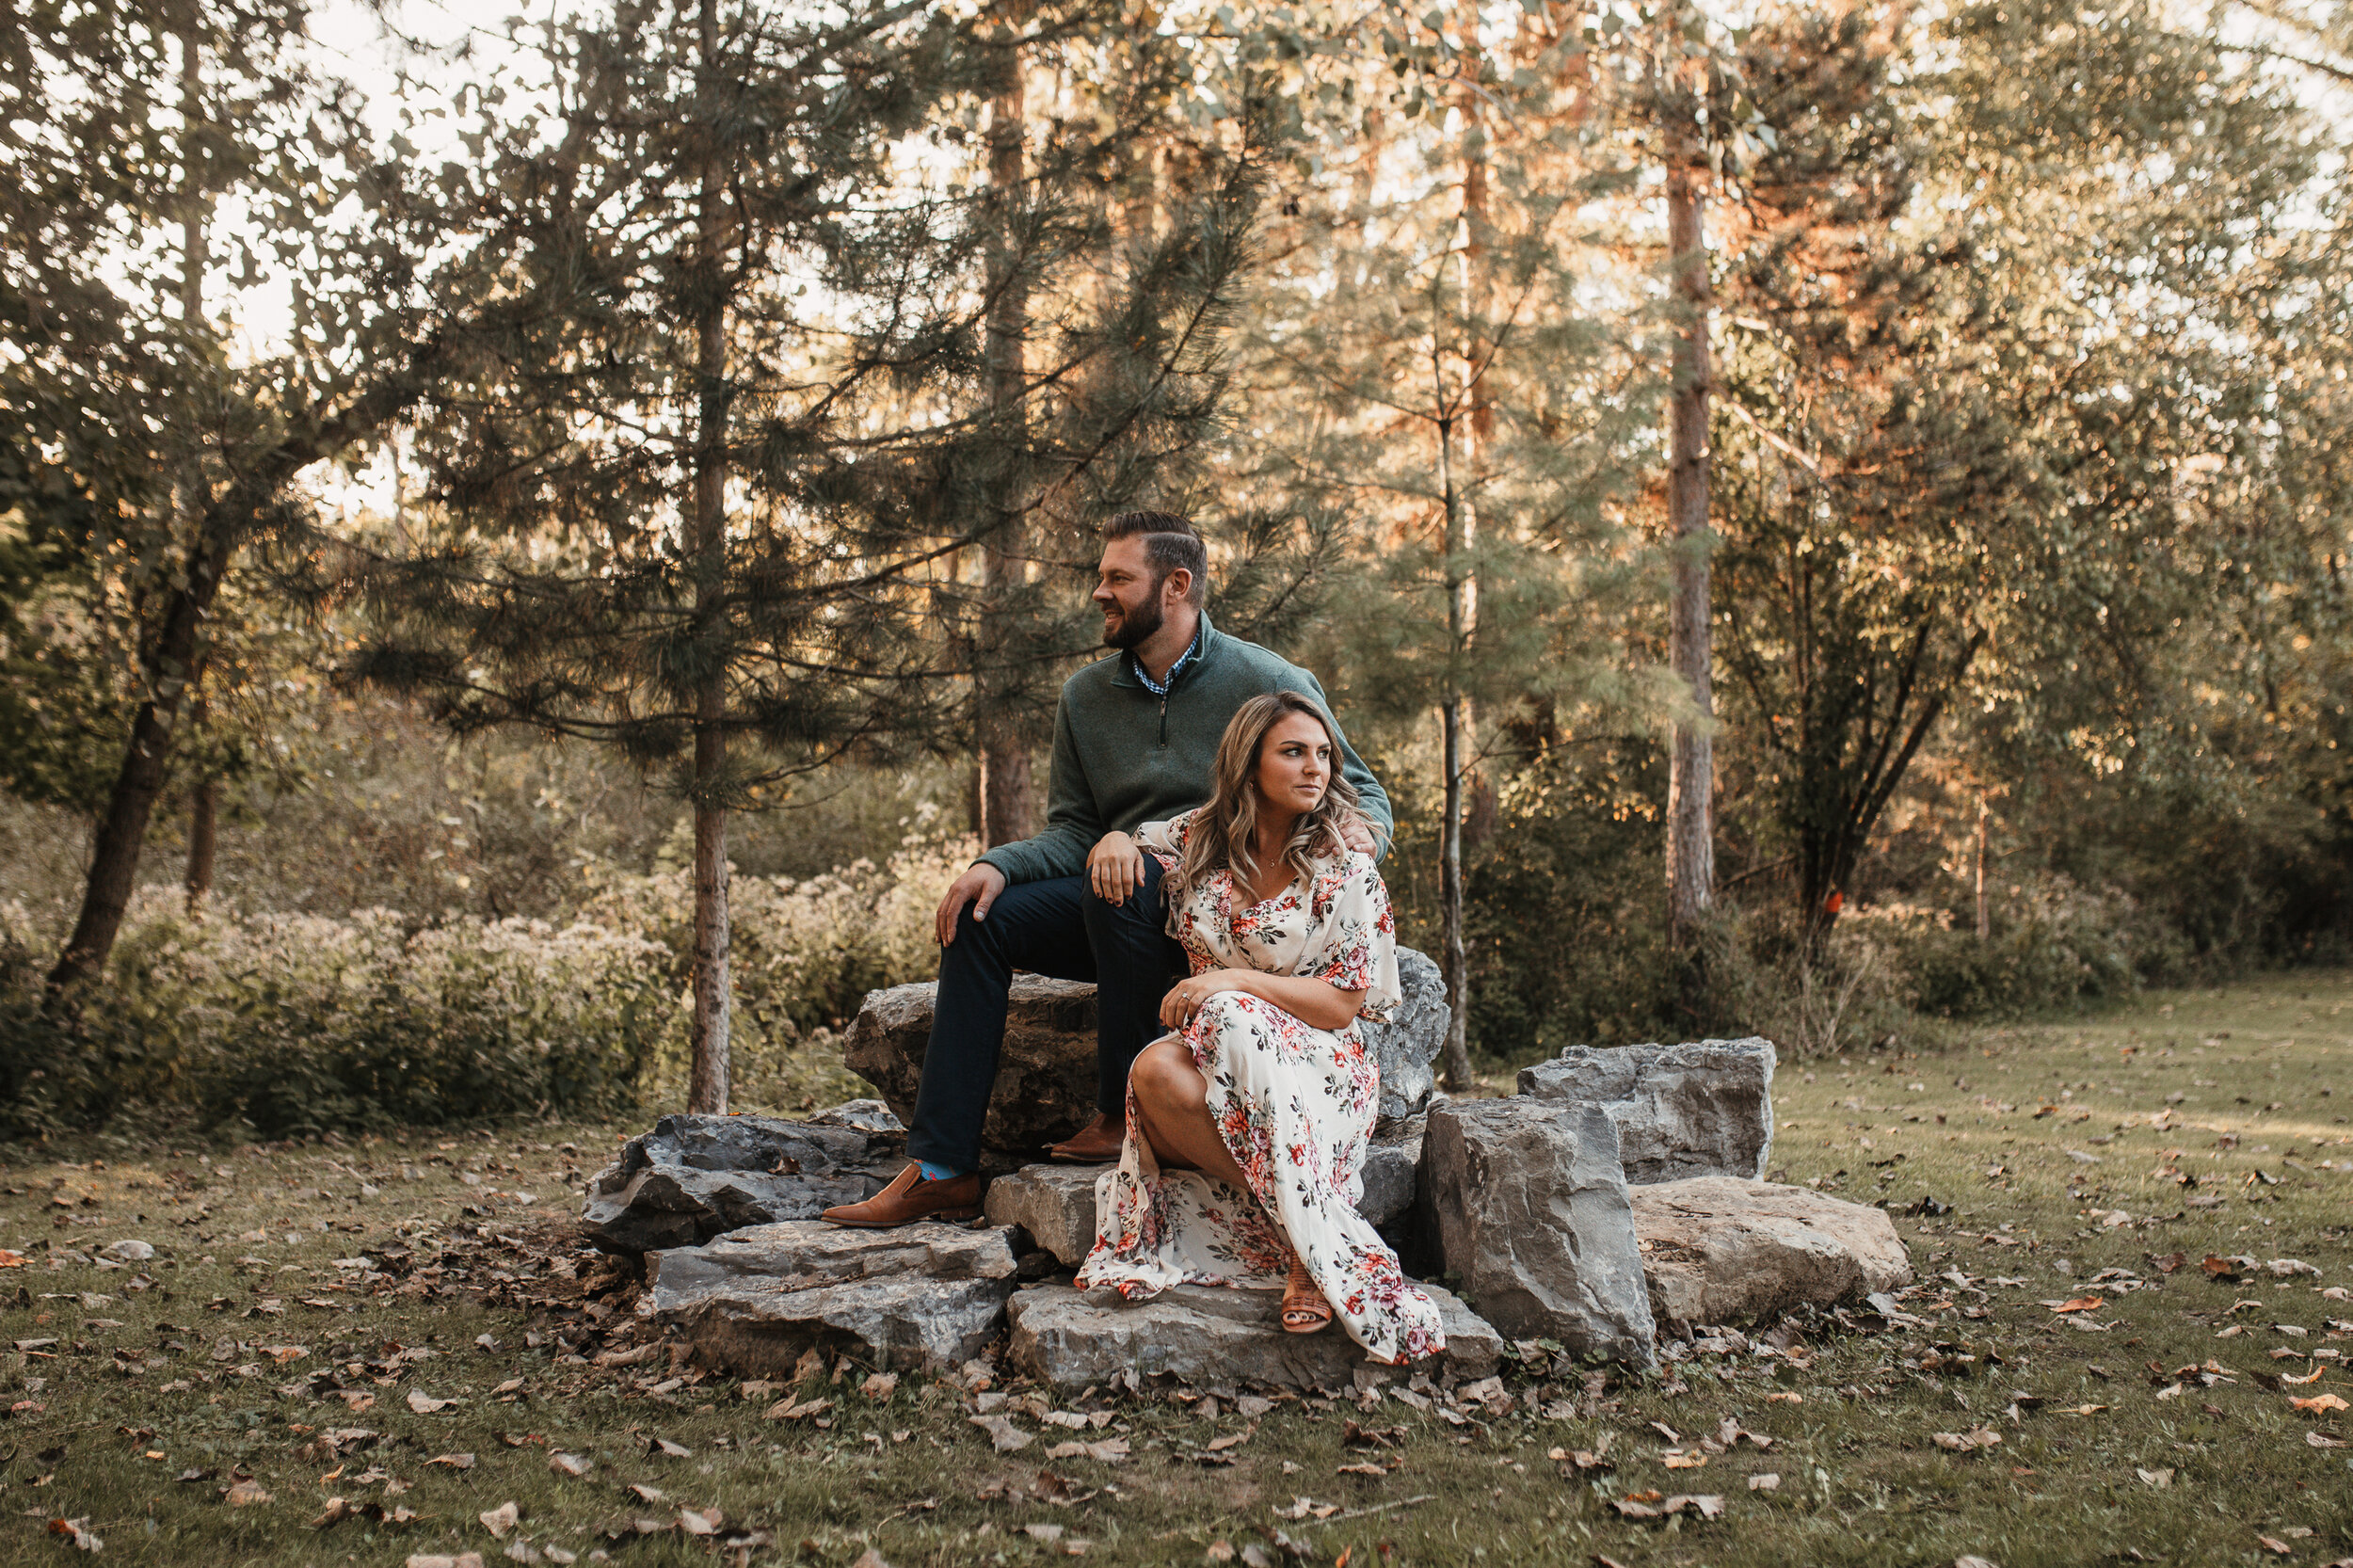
[1247, 1127]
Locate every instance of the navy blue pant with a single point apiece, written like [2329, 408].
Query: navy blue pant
[1058, 928]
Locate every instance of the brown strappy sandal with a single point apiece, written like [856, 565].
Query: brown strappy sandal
[1304, 1309]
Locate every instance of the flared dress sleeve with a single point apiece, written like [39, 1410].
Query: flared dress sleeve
[1352, 939]
[1165, 841]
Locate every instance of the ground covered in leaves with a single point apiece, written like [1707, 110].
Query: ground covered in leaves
[2128, 1344]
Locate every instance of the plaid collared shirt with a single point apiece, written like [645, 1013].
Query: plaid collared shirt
[1160, 688]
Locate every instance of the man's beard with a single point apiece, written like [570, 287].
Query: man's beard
[1136, 625]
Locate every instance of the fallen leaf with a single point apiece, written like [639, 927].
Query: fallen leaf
[1113, 1451]
[2081, 1303]
[1764, 1481]
[500, 1520]
[1232, 1440]
[701, 1522]
[1975, 1563]
[1961, 1442]
[2313, 1376]
[1785, 1398]
[1362, 1470]
[2322, 1440]
[2081, 1409]
[2276, 1548]
[2158, 1479]
[574, 1466]
[425, 1404]
[648, 1494]
[1677, 1459]
[1002, 1433]
[455, 1461]
[76, 1530]
[880, 1386]
[2319, 1404]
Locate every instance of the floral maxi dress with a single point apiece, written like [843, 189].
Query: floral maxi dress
[1294, 1104]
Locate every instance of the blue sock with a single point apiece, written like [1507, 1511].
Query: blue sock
[935, 1171]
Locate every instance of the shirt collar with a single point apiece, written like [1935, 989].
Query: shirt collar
[1160, 688]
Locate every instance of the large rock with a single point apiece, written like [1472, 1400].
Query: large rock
[1526, 1201]
[1704, 1107]
[1720, 1250]
[1404, 1048]
[1045, 1088]
[929, 1294]
[1054, 1203]
[1391, 1162]
[1208, 1333]
[693, 1177]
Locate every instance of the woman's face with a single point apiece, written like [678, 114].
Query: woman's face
[1294, 764]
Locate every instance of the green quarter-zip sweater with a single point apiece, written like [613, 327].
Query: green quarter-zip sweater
[1124, 757]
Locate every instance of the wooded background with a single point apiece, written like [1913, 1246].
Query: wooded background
[534, 547]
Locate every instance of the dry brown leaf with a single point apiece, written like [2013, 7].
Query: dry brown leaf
[701, 1522]
[2158, 1479]
[2313, 1376]
[77, 1531]
[880, 1386]
[245, 1494]
[574, 1466]
[2319, 1404]
[1007, 1437]
[500, 1520]
[2081, 1303]
[1764, 1481]
[455, 1461]
[425, 1404]
[648, 1494]
[2276, 1548]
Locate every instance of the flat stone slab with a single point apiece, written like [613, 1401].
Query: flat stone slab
[1054, 1203]
[693, 1177]
[926, 1295]
[1720, 1250]
[1527, 1201]
[1703, 1108]
[1208, 1333]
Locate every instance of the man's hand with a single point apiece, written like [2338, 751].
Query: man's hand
[1115, 868]
[978, 886]
[1357, 833]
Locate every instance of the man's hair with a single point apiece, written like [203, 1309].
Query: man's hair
[1169, 542]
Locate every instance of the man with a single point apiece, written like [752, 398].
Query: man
[1135, 738]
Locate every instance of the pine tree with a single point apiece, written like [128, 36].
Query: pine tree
[705, 500]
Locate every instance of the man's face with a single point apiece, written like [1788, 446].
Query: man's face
[1127, 594]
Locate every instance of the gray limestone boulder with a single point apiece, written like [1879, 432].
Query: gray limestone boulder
[1526, 1203]
[1208, 1334]
[693, 1177]
[1719, 1250]
[1391, 1162]
[1045, 1088]
[1405, 1046]
[924, 1295]
[1703, 1108]
[1054, 1203]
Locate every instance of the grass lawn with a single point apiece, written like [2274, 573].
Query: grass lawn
[182, 1408]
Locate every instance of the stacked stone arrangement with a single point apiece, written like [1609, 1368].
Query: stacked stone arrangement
[1617, 1198]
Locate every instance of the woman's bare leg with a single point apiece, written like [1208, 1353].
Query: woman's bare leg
[1173, 1100]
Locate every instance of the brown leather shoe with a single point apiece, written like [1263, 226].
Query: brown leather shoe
[1097, 1144]
[909, 1198]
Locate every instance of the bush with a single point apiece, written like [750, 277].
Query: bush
[289, 1024]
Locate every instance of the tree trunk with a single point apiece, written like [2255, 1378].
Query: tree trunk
[708, 1092]
[1985, 913]
[1481, 808]
[1690, 780]
[1008, 794]
[175, 658]
[203, 801]
[1461, 605]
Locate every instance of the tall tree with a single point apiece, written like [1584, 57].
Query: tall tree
[704, 504]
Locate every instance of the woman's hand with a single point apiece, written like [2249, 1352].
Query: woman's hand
[1185, 998]
[1114, 868]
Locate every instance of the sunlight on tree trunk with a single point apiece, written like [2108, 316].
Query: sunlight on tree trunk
[1691, 784]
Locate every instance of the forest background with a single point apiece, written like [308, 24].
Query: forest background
[534, 547]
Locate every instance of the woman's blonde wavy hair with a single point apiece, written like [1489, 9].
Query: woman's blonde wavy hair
[1225, 832]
